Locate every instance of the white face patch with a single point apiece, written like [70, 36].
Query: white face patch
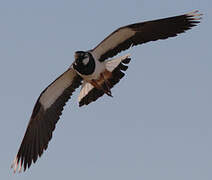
[85, 61]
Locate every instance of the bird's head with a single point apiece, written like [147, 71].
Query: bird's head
[81, 58]
[84, 62]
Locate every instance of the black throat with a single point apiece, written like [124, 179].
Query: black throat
[87, 69]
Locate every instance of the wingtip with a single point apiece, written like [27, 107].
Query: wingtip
[16, 166]
[195, 14]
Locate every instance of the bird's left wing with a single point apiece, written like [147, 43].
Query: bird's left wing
[45, 115]
[139, 33]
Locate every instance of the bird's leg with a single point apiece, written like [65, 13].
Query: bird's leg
[107, 83]
[96, 85]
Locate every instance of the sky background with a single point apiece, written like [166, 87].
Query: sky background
[158, 125]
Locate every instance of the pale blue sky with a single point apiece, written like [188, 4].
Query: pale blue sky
[158, 125]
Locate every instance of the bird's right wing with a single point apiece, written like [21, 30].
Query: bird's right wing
[142, 32]
[45, 115]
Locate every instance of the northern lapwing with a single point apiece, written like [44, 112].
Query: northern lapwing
[97, 74]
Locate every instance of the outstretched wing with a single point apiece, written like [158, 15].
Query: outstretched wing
[45, 115]
[139, 33]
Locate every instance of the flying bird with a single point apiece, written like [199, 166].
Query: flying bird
[96, 73]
